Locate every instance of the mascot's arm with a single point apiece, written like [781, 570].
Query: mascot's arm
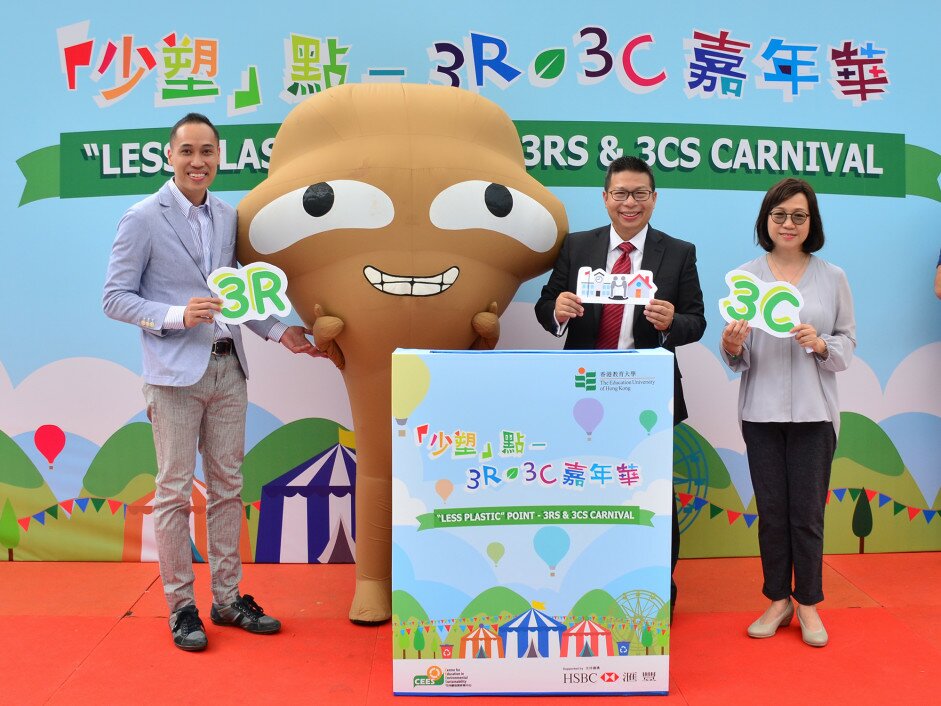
[487, 326]
[325, 330]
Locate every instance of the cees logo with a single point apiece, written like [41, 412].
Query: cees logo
[586, 379]
[433, 677]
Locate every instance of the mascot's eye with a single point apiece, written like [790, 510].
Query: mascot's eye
[321, 207]
[481, 204]
[499, 200]
[318, 199]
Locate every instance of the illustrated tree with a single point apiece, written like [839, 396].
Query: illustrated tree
[646, 638]
[862, 519]
[402, 641]
[433, 644]
[9, 529]
[660, 640]
[419, 642]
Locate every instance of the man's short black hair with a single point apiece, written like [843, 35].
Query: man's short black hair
[629, 163]
[778, 194]
[193, 118]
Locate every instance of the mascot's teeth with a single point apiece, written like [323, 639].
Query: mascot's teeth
[411, 286]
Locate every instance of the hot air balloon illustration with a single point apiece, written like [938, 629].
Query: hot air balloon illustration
[444, 488]
[49, 440]
[410, 381]
[588, 412]
[648, 419]
[551, 544]
[495, 550]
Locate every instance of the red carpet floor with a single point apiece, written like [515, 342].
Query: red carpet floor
[76, 633]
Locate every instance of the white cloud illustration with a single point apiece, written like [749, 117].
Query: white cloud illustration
[711, 397]
[405, 509]
[658, 497]
[292, 386]
[85, 396]
[93, 398]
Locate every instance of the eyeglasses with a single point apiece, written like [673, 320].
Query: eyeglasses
[797, 218]
[638, 194]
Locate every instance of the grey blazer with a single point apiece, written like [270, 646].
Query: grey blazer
[155, 265]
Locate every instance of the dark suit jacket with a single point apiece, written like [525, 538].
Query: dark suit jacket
[673, 263]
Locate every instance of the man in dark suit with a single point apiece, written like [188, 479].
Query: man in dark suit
[628, 244]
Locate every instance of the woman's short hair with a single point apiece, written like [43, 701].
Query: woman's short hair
[779, 193]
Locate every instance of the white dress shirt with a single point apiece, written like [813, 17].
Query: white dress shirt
[626, 339]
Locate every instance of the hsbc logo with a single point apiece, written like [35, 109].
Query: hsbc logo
[609, 677]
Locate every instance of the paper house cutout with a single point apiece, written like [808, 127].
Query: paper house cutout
[601, 287]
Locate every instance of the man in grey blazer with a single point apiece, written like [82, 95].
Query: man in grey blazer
[674, 318]
[194, 369]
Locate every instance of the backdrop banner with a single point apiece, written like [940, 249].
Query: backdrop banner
[721, 103]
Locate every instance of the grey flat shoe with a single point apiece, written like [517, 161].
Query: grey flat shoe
[245, 613]
[814, 638]
[188, 631]
[758, 629]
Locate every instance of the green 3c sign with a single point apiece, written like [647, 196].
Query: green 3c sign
[773, 307]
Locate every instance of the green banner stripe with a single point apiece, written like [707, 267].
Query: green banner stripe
[41, 169]
[536, 515]
[735, 157]
[922, 168]
[560, 153]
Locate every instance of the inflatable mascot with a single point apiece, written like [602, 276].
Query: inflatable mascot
[403, 216]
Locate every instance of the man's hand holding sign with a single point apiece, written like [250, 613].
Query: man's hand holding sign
[250, 293]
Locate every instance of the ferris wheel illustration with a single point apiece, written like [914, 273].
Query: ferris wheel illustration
[690, 473]
[640, 606]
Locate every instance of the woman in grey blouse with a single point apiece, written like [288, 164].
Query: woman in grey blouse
[788, 406]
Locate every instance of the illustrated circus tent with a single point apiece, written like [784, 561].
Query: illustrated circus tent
[587, 639]
[307, 514]
[481, 643]
[532, 634]
[140, 543]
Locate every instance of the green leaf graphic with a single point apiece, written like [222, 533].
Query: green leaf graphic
[550, 64]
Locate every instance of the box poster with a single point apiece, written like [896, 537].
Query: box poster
[531, 522]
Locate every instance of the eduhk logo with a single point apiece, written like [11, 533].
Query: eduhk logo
[586, 379]
[433, 677]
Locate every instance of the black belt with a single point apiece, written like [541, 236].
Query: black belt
[223, 347]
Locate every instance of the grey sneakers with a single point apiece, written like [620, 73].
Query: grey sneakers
[188, 631]
[246, 614]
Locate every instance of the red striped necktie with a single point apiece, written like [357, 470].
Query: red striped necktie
[609, 331]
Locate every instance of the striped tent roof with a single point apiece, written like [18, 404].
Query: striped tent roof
[587, 639]
[532, 633]
[332, 471]
[533, 619]
[586, 627]
[481, 639]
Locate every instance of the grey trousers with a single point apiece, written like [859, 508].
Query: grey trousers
[210, 416]
[790, 472]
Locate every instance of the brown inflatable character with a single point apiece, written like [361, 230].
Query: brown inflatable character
[403, 217]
